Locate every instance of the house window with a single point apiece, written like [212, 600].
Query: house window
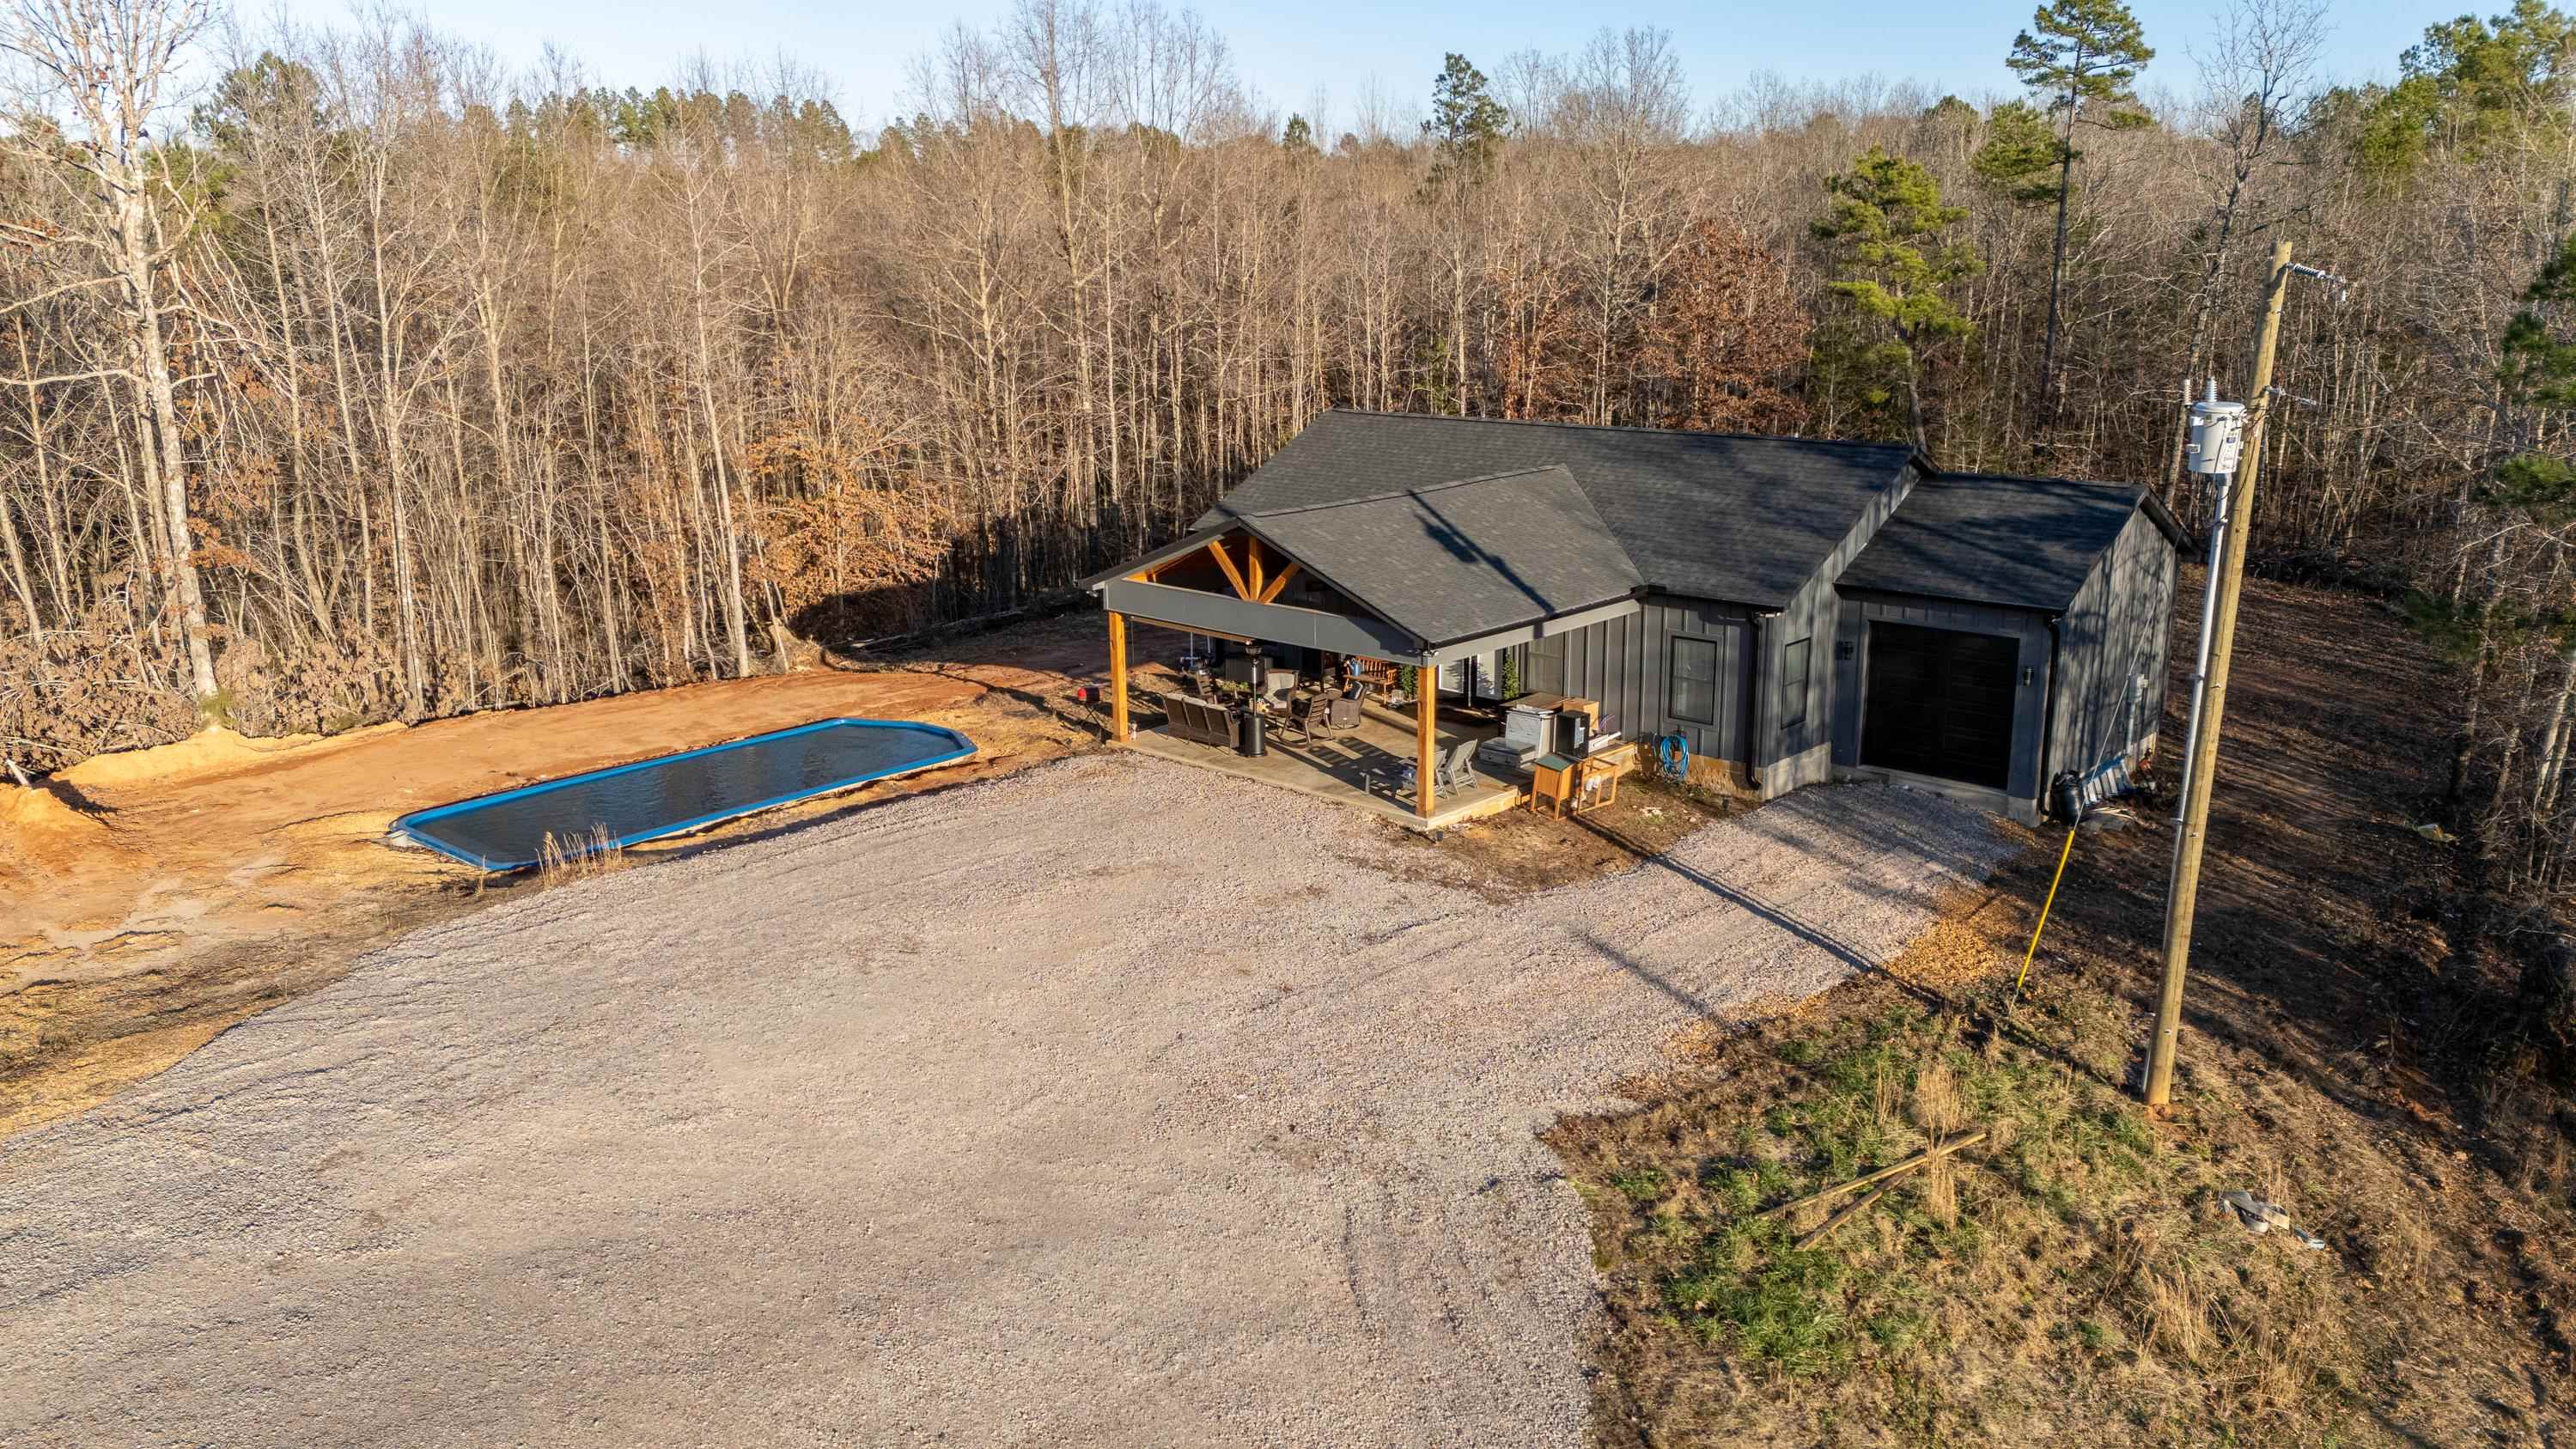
[1691, 692]
[1793, 677]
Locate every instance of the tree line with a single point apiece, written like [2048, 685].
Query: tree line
[371, 380]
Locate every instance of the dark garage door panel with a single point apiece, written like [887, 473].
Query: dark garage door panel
[1940, 703]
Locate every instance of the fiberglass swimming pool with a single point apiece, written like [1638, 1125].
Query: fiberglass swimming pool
[673, 793]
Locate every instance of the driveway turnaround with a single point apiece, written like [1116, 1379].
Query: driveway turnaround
[1109, 1103]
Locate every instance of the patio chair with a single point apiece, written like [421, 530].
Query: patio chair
[1298, 721]
[1453, 770]
[1324, 714]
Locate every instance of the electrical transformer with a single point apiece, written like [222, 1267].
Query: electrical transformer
[2217, 433]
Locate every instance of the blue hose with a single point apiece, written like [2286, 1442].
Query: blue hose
[1673, 753]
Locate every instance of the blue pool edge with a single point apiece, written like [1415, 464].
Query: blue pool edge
[407, 825]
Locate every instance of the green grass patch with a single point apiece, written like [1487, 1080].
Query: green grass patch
[1642, 1186]
[2070, 1237]
[1779, 1303]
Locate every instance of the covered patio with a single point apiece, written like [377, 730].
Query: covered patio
[1363, 767]
[1364, 603]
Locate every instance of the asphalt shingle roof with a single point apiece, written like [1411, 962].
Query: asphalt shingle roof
[1719, 516]
[1454, 560]
[1983, 538]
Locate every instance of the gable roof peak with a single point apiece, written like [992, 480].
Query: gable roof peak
[1740, 518]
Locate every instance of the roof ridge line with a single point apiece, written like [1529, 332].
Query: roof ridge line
[1627, 428]
[1958, 475]
[1426, 488]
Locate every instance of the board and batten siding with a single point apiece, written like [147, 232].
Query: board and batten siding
[1730, 629]
[1624, 663]
[1802, 739]
[2111, 648]
[1627, 663]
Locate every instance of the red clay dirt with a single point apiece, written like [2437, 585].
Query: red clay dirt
[150, 899]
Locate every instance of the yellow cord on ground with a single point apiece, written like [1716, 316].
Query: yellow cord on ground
[2043, 910]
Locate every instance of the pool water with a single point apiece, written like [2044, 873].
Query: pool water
[670, 794]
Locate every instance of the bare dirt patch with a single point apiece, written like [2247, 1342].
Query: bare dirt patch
[149, 899]
[1510, 855]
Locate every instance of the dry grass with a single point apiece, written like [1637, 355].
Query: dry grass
[578, 857]
[2073, 1271]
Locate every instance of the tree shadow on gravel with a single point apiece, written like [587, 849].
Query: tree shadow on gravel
[1786, 921]
[1987, 1015]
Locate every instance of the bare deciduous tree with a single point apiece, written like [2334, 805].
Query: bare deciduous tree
[103, 65]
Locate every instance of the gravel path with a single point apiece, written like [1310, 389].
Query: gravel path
[1113, 1102]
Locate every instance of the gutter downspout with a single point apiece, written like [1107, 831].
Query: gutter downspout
[2048, 711]
[1760, 629]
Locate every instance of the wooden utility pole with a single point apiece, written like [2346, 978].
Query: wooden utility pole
[2182, 896]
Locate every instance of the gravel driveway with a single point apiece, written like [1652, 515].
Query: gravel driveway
[1114, 1102]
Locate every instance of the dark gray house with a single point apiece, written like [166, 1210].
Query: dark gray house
[1797, 609]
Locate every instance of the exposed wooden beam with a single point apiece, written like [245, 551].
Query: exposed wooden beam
[1280, 581]
[1426, 684]
[1197, 630]
[1117, 676]
[1233, 575]
[1252, 566]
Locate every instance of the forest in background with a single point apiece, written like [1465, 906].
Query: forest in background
[364, 379]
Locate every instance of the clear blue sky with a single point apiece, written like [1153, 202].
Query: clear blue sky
[1286, 51]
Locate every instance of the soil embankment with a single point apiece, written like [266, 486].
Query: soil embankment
[150, 899]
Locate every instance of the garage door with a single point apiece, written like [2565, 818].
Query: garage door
[1940, 703]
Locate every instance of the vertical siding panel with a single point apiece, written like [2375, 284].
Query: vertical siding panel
[1643, 666]
[2118, 628]
[1654, 685]
[1621, 633]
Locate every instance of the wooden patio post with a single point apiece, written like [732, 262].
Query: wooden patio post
[1117, 676]
[1426, 687]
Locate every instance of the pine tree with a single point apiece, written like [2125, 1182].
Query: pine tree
[2539, 374]
[2475, 84]
[2492, 610]
[2077, 55]
[1466, 127]
[1885, 224]
[2019, 151]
